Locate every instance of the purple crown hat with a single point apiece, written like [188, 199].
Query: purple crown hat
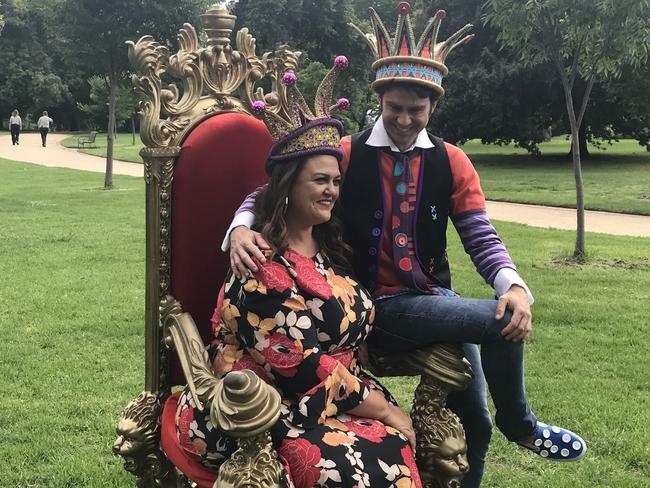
[296, 130]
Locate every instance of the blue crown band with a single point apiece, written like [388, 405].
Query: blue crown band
[409, 70]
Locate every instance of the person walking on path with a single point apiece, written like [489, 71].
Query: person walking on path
[43, 124]
[15, 125]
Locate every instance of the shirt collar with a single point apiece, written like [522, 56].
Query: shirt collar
[380, 138]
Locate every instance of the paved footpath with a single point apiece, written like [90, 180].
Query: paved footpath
[56, 155]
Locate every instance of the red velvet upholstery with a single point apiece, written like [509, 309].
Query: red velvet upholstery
[191, 467]
[221, 161]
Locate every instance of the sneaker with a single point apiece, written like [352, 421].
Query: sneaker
[556, 443]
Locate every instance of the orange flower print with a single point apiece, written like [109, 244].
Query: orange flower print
[226, 356]
[336, 439]
[253, 285]
[230, 314]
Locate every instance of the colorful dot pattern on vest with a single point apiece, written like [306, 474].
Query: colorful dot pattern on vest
[403, 203]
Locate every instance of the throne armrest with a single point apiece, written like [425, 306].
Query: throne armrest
[442, 362]
[240, 404]
[181, 333]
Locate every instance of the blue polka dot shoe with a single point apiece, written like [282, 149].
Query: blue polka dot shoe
[556, 443]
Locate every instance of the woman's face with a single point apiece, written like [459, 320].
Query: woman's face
[312, 197]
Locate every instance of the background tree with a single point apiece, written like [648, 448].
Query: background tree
[583, 39]
[621, 108]
[318, 28]
[32, 78]
[97, 108]
[98, 30]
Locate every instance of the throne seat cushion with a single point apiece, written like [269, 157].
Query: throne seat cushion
[189, 466]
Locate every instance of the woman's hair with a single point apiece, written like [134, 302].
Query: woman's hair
[270, 211]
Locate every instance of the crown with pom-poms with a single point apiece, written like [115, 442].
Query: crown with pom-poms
[295, 129]
[402, 59]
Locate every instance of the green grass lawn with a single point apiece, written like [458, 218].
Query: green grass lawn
[123, 147]
[617, 179]
[71, 303]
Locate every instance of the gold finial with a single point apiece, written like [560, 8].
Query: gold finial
[218, 25]
[244, 405]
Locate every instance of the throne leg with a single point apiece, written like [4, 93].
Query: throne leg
[254, 465]
[441, 452]
[138, 442]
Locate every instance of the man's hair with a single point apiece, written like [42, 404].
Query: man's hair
[270, 215]
[44, 112]
[420, 91]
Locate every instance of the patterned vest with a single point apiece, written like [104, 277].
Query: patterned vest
[362, 197]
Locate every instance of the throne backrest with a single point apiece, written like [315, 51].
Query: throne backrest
[204, 152]
[221, 161]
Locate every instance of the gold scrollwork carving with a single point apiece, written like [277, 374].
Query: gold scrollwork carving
[241, 404]
[215, 72]
[254, 465]
[441, 446]
[138, 441]
[441, 450]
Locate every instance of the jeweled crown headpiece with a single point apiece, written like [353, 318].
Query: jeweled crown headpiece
[402, 59]
[297, 131]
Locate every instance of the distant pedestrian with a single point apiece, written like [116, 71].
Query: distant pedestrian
[44, 127]
[15, 124]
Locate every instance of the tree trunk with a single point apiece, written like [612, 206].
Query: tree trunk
[133, 129]
[112, 101]
[584, 149]
[579, 251]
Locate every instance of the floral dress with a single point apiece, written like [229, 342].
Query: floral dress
[297, 324]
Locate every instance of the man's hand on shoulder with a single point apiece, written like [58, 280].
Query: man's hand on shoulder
[244, 244]
[515, 300]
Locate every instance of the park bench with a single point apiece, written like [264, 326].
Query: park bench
[198, 166]
[87, 141]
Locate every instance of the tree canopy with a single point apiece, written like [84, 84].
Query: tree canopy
[583, 40]
[52, 52]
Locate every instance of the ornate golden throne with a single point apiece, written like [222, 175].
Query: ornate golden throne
[204, 153]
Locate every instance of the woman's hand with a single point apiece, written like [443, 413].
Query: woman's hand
[402, 422]
[375, 406]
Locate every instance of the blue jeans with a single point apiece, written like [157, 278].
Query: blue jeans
[409, 321]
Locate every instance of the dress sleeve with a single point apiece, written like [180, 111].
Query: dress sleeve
[276, 328]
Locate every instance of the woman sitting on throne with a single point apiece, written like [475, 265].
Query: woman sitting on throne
[299, 321]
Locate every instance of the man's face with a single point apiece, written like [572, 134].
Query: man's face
[404, 115]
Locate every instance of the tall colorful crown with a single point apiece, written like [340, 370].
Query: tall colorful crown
[401, 58]
[296, 130]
